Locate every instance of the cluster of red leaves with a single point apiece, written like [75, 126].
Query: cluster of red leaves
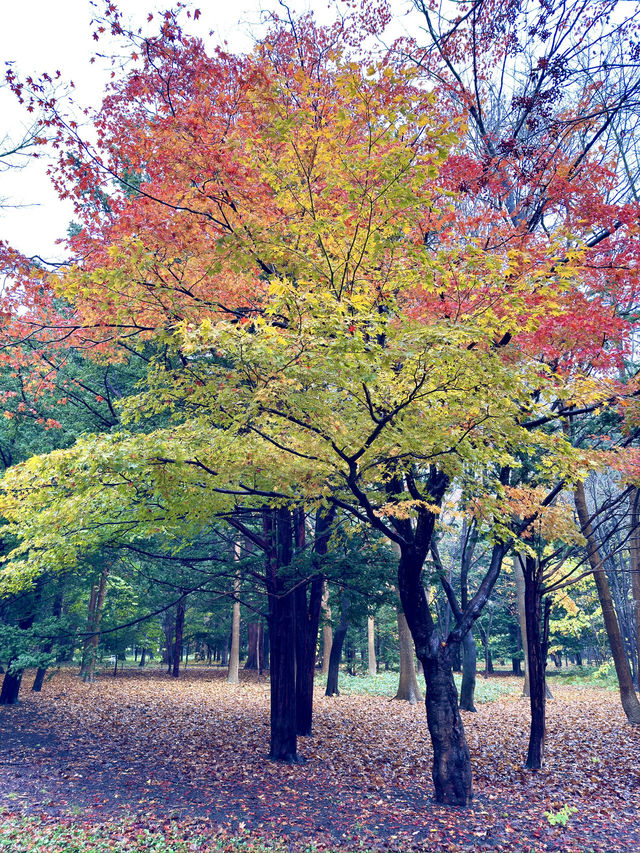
[147, 750]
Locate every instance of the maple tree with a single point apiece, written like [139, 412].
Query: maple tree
[345, 320]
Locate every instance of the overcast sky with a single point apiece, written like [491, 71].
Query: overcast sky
[47, 35]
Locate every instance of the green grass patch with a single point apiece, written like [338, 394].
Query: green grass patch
[386, 684]
[585, 676]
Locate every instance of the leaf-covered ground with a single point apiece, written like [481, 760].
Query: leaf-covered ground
[145, 751]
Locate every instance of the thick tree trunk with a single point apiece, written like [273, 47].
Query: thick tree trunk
[628, 698]
[336, 647]
[327, 631]
[468, 686]
[451, 757]
[536, 661]
[408, 689]
[278, 533]
[96, 603]
[371, 646]
[11, 688]
[143, 656]
[181, 607]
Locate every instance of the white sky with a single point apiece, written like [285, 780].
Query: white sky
[47, 35]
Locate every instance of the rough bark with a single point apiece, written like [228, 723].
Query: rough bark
[278, 532]
[307, 624]
[628, 697]
[371, 646]
[253, 637]
[11, 687]
[536, 654]
[408, 688]
[47, 648]
[522, 618]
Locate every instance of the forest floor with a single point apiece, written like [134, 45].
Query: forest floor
[144, 753]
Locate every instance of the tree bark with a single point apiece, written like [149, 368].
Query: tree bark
[522, 618]
[11, 687]
[307, 624]
[253, 657]
[181, 607]
[536, 658]
[628, 697]
[408, 689]
[278, 534]
[468, 686]
[371, 646]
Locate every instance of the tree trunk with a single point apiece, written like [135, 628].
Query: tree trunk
[336, 647]
[11, 687]
[181, 607]
[327, 631]
[628, 698]
[233, 673]
[371, 646]
[634, 548]
[408, 689]
[143, 656]
[96, 603]
[522, 618]
[282, 636]
[253, 631]
[468, 686]
[451, 757]
[47, 648]
[535, 657]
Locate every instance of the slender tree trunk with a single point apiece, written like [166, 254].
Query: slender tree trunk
[371, 646]
[408, 689]
[88, 670]
[468, 686]
[628, 697]
[327, 631]
[336, 647]
[143, 656]
[181, 607]
[233, 672]
[47, 648]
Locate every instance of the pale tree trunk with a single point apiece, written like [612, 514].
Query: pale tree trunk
[233, 672]
[628, 698]
[408, 689]
[634, 548]
[327, 631]
[96, 603]
[371, 645]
